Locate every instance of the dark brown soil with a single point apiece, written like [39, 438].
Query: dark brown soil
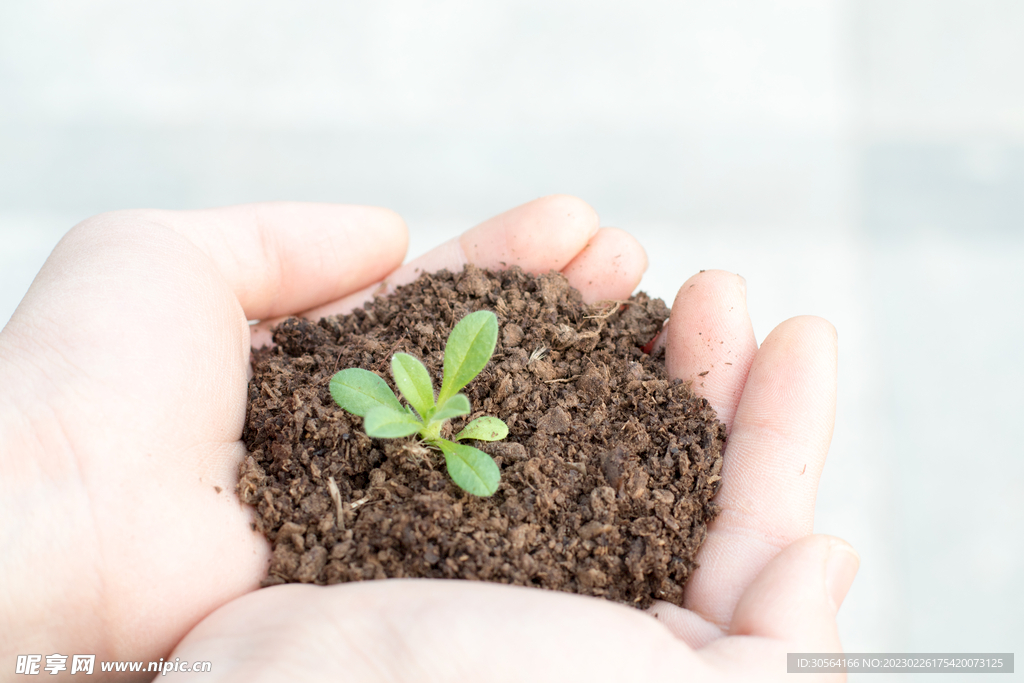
[606, 476]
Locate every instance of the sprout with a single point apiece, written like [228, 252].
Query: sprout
[469, 348]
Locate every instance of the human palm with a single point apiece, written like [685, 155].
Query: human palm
[127, 363]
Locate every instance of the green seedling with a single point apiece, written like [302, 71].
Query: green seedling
[469, 348]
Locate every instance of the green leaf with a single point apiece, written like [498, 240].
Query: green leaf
[386, 423]
[484, 428]
[472, 470]
[359, 391]
[469, 347]
[453, 407]
[413, 380]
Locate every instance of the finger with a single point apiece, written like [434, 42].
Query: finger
[773, 459]
[420, 630]
[790, 606]
[542, 235]
[797, 595]
[284, 257]
[609, 268]
[710, 340]
[687, 626]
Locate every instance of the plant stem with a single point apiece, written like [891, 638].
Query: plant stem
[431, 432]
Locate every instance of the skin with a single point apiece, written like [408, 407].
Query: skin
[124, 372]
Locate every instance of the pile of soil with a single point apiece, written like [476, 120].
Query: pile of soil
[607, 473]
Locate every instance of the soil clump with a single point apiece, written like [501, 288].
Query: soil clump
[607, 473]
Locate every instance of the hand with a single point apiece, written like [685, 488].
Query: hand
[124, 374]
[122, 532]
[765, 586]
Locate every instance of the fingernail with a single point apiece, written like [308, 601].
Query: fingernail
[658, 342]
[840, 570]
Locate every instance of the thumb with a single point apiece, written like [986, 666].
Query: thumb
[280, 258]
[796, 597]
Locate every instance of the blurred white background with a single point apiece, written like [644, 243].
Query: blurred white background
[859, 160]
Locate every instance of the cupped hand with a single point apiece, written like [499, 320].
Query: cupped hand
[127, 367]
[765, 586]
[124, 374]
